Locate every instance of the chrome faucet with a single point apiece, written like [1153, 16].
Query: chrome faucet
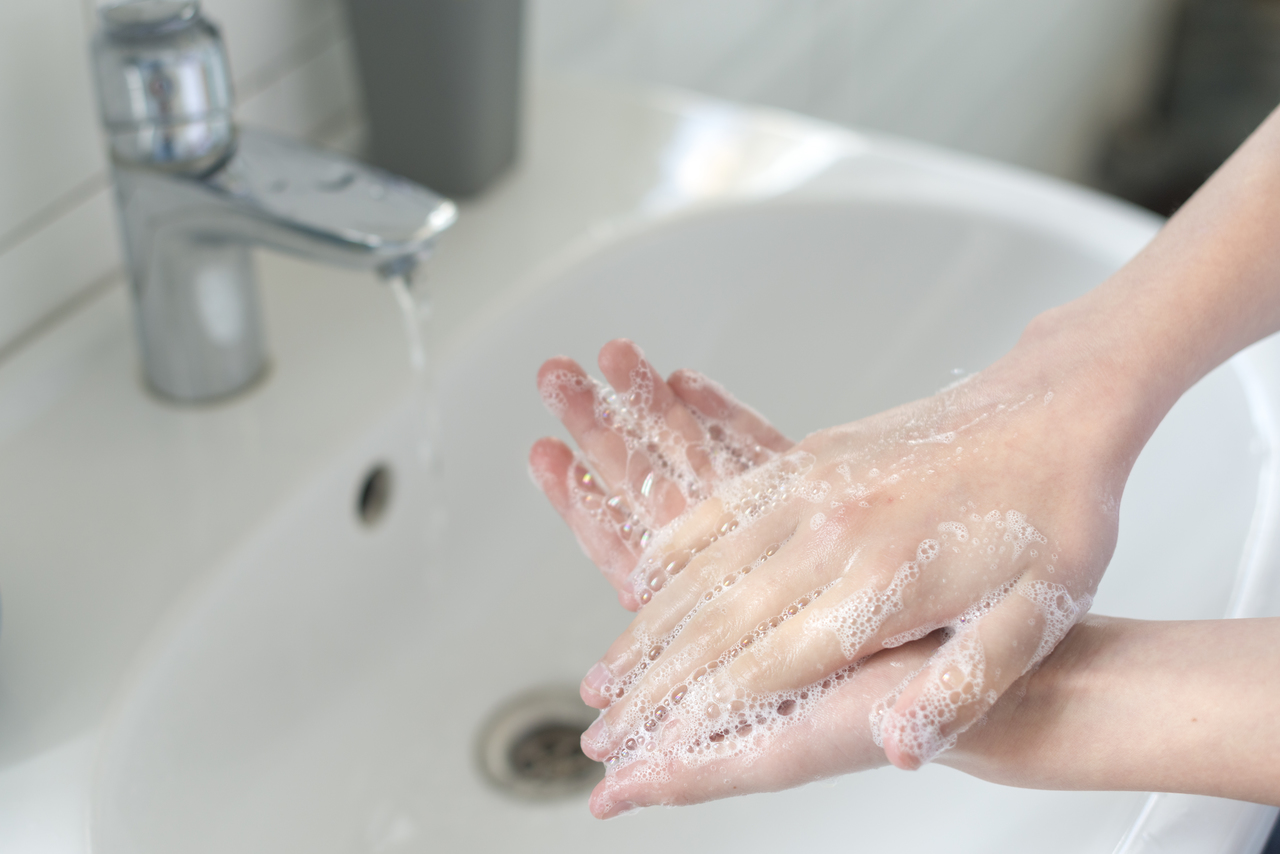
[196, 194]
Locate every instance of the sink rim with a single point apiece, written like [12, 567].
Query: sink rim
[1158, 807]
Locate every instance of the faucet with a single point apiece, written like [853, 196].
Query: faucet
[196, 193]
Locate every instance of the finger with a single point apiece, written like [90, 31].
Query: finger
[747, 439]
[972, 670]
[606, 680]
[601, 531]
[705, 577]
[866, 603]
[767, 492]
[571, 395]
[871, 608]
[626, 446]
[749, 603]
[688, 578]
[829, 737]
[670, 466]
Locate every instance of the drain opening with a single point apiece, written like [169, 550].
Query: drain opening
[374, 495]
[530, 747]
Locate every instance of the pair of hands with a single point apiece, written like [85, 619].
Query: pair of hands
[812, 609]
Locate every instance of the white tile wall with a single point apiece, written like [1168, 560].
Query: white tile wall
[293, 72]
[1031, 81]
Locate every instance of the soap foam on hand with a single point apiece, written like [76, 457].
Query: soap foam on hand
[802, 550]
[719, 718]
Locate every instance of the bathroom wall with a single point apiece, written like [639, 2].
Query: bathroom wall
[1033, 82]
[1029, 81]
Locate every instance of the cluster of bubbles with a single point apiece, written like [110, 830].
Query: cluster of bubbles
[958, 669]
[717, 717]
[743, 500]
[706, 715]
[654, 646]
[1058, 610]
[656, 454]
[861, 614]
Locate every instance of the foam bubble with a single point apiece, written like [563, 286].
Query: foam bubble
[936, 439]
[707, 716]
[745, 499]
[959, 668]
[860, 615]
[1059, 611]
[553, 386]
[1020, 533]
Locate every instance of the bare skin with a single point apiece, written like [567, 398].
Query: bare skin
[1047, 434]
[1123, 705]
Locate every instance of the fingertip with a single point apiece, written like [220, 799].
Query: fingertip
[688, 378]
[595, 685]
[595, 742]
[557, 363]
[898, 757]
[626, 598]
[619, 794]
[599, 802]
[619, 809]
[605, 803]
[549, 452]
[617, 359]
[549, 463]
[592, 698]
[698, 391]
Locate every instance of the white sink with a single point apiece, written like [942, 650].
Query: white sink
[265, 673]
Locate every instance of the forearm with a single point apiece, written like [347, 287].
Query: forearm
[1149, 706]
[1207, 286]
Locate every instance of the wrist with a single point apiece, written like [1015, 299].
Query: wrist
[1140, 705]
[1105, 391]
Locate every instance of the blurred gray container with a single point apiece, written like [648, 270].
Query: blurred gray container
[441, 85]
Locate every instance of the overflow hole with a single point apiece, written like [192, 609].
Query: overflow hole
[374, 495]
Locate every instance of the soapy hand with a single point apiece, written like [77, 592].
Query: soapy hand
[957, 538]
[768, 570]
[650, 452]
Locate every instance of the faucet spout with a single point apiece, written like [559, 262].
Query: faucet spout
[196, 194]
[189, 241]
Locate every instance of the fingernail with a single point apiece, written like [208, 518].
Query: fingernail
[597, 678]
[620, 808]
[594, 734]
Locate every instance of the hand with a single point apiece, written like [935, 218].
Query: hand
[1118, 705]
[988, 510]
[901, 524]
[651, 450]
[834, 738]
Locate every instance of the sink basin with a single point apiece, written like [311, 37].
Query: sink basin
[313, 682]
